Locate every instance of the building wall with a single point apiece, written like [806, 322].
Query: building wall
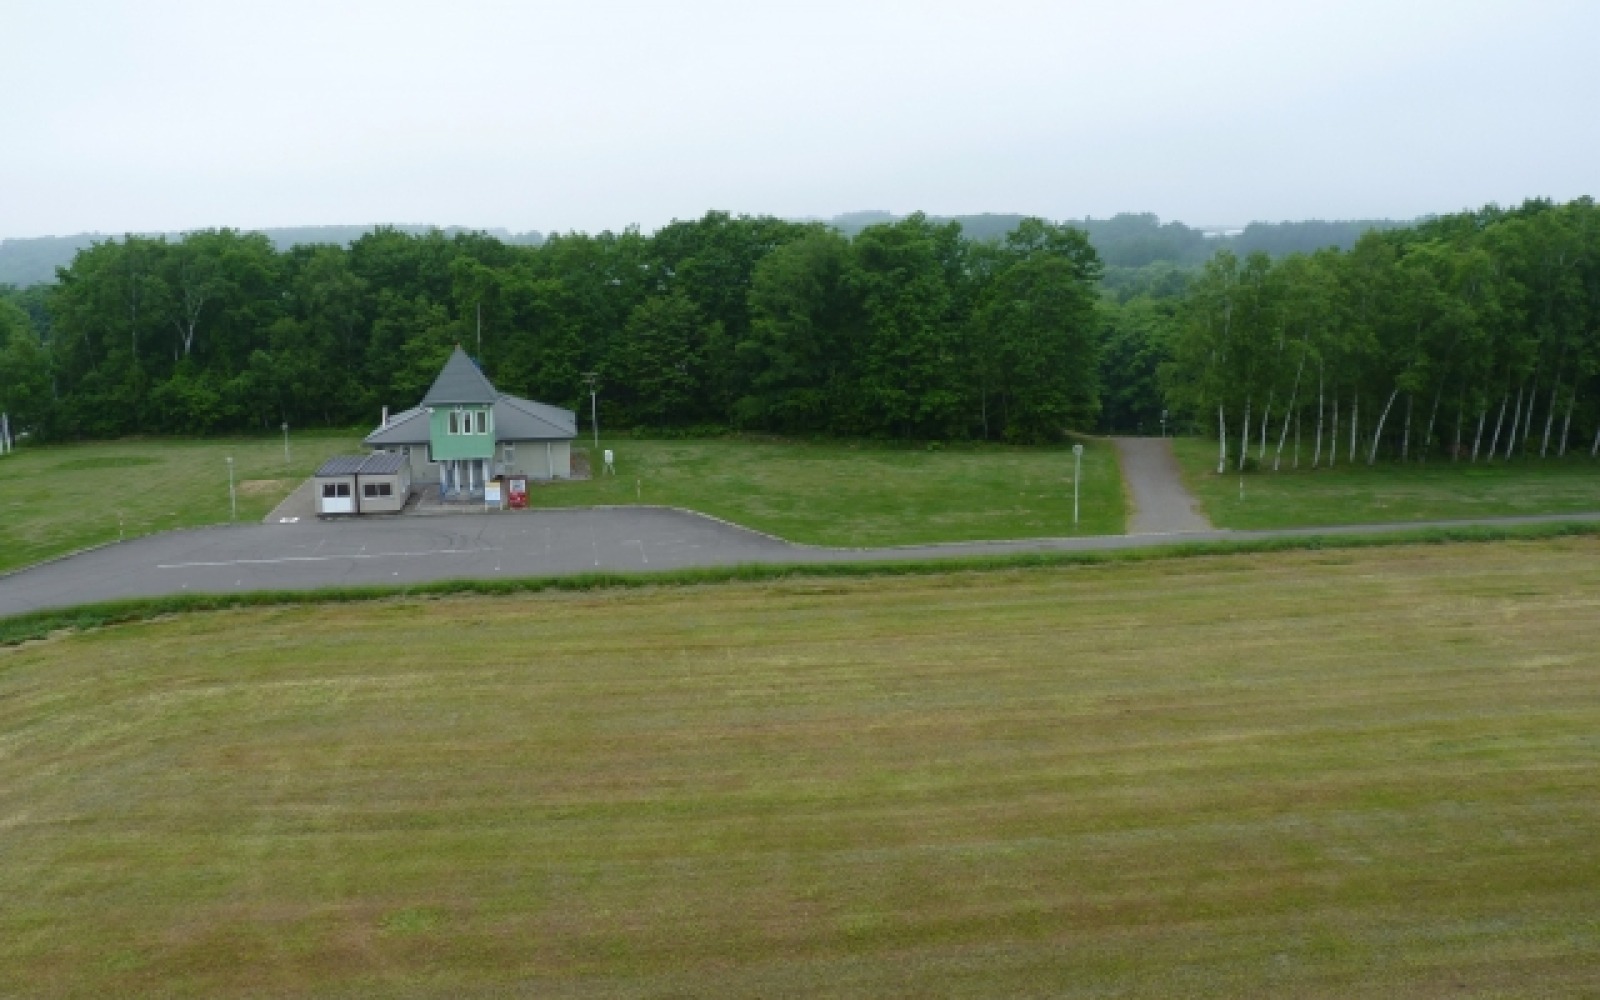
[471, 445]
[399, 488]
[536, 460]
[335, 505]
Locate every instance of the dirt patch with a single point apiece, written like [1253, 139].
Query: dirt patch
[256, 487]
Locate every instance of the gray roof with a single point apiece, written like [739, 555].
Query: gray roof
[515, 419]
[379, 463]
[460, 381]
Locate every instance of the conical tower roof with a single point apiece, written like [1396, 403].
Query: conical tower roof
[461, 382]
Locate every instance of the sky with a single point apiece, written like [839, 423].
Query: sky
[160, 116]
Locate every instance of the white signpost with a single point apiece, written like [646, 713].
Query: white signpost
[1077, 466]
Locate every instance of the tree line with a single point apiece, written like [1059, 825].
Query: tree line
[1471, 337]
[906, 330]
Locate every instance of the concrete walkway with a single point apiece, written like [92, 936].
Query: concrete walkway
[1162, 505]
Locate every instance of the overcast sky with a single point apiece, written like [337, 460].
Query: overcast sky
[157, 115]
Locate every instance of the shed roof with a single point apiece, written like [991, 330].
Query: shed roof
[460, 381]
[379, 463]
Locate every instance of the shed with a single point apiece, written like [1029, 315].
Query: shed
[378, 483]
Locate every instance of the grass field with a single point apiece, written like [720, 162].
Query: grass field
[863, 494]
[1387, 492]
[57, 499]
[1320, 774]
[64, 497]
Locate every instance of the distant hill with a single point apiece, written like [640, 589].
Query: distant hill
[1137, 239]
[1127, 240]
[33, 261]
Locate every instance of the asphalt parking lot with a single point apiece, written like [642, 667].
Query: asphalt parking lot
[310, 554]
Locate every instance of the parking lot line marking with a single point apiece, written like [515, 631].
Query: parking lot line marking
[293, 559]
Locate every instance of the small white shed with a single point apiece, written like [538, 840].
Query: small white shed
[378, 483]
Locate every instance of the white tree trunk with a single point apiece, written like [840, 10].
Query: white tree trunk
[1377, 435]
[1294, 397]
[1244, 435]
[1405, 436]
[1550, 418]
[1527, 416]
[1355, 421]
[1297, 440]
[1566, 425]
[1461, 415]
[1316, 453]
[1261, 457]
[1499, 421]
[1222, 442]
[1333, 436]
[1596, 449]
[1511, 439]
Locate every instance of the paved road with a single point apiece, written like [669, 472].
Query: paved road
[1161, 503]
[401, 550]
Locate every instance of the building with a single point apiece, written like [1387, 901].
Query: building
[363, 484]
[466, 432]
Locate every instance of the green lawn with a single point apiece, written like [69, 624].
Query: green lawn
[59, 498]
[1386, 492]
[1320, 774]
[862, 494]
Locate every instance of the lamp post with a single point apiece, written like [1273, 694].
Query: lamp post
[286, 463]
[233, 498]
[592, 380]
[1163, 423]
[1077, 468]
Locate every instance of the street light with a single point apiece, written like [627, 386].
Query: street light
[233, 498]
[592, 380]
[286, 464]
[1077, 467]
[1163, 423]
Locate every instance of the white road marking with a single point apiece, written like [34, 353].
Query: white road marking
[293, 559]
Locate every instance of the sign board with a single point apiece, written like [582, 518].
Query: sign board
[491, 493]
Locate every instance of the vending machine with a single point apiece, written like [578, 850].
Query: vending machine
[518, 490]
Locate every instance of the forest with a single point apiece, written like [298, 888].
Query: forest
[1471, 335]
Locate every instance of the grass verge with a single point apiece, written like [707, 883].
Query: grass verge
[1387, 492]
[41, 624]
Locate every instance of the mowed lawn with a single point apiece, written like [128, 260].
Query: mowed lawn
[1387, 491]
[59, 498]
[1317, 774]
[862, 493]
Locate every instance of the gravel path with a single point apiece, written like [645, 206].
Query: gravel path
[1162, 505]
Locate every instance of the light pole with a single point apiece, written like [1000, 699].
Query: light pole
[233, 498]
[1163, 423]
[592, 380]
[286, 446]
[1077, 467]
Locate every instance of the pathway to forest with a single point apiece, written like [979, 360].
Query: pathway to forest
[1160, 503]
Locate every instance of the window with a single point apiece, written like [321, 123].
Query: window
[377, 490]
[332, 490]
[511, 453]
[482, 417]
[455, 415]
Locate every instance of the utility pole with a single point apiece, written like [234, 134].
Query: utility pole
[480, 331]
[286, 462]
[233, 498]
[592, 380]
